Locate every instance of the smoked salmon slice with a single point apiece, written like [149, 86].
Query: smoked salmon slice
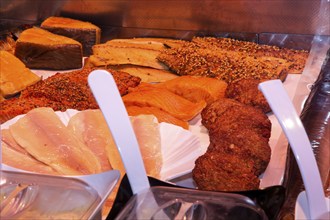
[42, 133]
[165, 100]
[196, 88]
[161, 115]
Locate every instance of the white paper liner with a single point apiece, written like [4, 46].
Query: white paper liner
[180, 149]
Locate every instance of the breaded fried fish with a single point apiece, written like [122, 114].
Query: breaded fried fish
[224, 171]
[246, 91]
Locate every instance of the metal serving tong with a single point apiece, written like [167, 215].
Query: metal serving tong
[294, 130]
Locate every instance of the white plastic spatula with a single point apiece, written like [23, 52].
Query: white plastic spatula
[110, 102]
[293, 128]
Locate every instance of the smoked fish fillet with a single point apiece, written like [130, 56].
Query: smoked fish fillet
[161, 115]
[45, 137]
[106, 54]
[14, 75]
[22, 161]
[148, 42]
[147, 74]
[196, 88]
[298, 58]
[41, 49]
[84, 32]
[213, 62]
[90, 127]
[165, 100]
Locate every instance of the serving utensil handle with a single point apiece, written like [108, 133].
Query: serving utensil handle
[294, 130]
[106, 93]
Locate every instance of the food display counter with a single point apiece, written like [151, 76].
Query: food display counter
[293, 25]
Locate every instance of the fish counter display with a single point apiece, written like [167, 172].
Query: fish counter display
[195, 107]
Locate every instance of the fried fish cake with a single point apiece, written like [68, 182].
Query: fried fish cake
[224, 171]
[228, 114]
[213, 110]
[238, 118]
[250, 145]
[246, 91]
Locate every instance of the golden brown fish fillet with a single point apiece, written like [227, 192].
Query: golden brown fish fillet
[105, 54]
[165, 100]
[296, 57]
[161, 115]
[14, 75]
[165, 42]
[147, 74]
[135, 43]
[42, 133]
[229, 66]
[90, 127]
[196, 88]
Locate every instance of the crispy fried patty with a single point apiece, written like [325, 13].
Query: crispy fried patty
[248, 143]
[229, 115]
[246, 91]
[239, 150]
[224, 171]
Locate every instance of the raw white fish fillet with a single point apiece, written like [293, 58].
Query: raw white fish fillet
[22, 161]
[7, 138]
[148, 136]
[90, 127]
[45, 137]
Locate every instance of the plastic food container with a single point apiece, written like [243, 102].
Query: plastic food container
[33, 196]
[176, 203]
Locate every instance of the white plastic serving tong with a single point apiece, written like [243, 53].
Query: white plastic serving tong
[294, 130]
[106, 93]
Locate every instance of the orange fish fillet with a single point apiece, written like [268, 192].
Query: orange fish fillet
[196, 88]
[90, 127]
[161, 115]
[45, 137]
[165, 100]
